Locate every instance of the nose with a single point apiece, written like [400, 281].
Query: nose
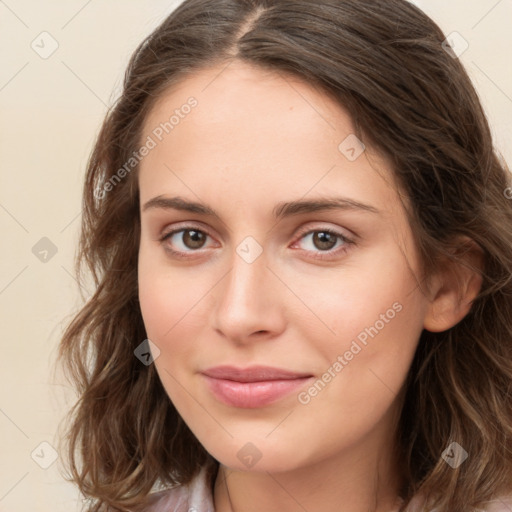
[249, 302]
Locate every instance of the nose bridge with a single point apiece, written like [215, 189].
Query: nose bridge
[246, 282]
[248, 297]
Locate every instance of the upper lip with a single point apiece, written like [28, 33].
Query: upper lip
[253, 373]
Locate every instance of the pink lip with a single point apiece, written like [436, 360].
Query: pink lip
[252, 387]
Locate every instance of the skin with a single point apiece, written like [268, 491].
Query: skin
[255, 139]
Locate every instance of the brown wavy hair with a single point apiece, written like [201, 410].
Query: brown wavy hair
[411, 99]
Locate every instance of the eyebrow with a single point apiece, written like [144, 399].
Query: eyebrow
[280, 211]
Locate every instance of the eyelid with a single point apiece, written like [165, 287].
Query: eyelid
[332, 254]
[303, 230]
[342, 232]
[184, 226]
[348, 240]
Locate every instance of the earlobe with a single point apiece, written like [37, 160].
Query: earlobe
[454, 287]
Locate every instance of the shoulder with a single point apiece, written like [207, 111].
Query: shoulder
[501, 504]
[194, 497]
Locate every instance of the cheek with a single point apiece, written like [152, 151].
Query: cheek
[374, 295]
[167, 307]
[166, 294]
[155, 301]
[170, 302]
[377, 318]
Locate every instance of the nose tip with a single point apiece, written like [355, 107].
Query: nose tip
[247, 305]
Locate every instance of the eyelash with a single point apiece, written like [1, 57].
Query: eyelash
[320, 255]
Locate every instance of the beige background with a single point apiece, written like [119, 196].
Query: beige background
[51, 110]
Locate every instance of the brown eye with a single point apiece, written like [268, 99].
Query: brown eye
[324, 243]
[324, 240]
[184, 240]
[193, 239]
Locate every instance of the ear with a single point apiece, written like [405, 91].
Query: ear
[454, 286]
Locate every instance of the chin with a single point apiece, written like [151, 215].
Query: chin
[258, 456]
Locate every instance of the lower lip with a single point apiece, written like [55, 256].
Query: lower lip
[250, 395]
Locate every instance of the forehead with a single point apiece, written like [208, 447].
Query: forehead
[250, 96]
[258, 132]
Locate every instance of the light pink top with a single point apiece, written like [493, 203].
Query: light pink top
[197, 497]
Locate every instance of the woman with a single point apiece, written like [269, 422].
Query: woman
[300, 235]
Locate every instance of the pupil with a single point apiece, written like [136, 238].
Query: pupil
[193, 238]
[322, 237]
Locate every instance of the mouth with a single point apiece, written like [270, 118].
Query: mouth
[252, 387]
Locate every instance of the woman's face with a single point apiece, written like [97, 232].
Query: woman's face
[241, 267]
